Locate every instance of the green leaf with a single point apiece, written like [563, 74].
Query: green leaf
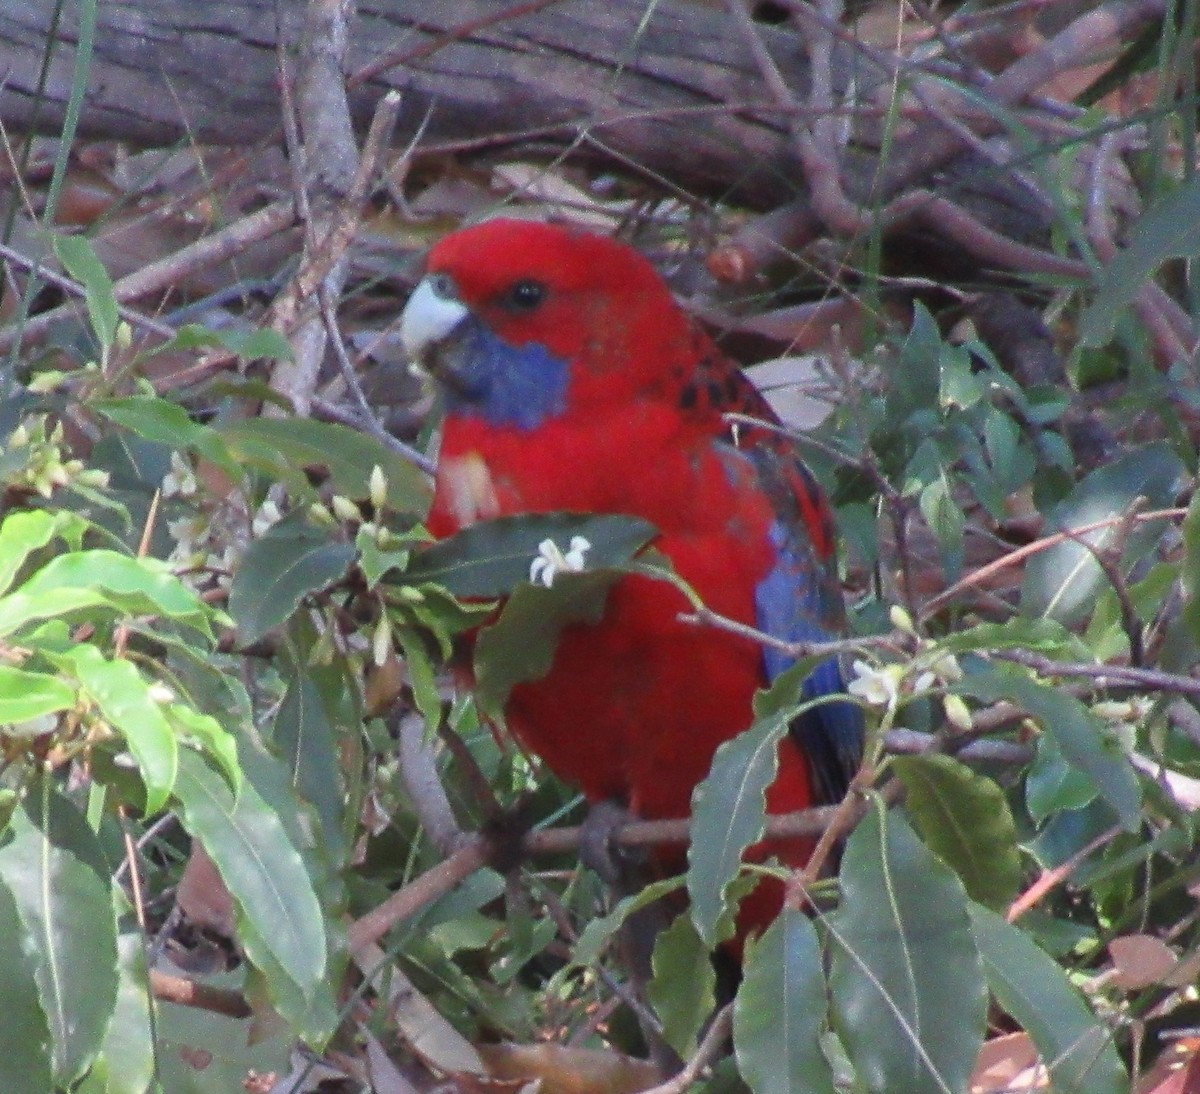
[1169, 229]
[599, 930]
[126, 1064]
[1064, 581]
[1046, 636]
[520, 645]
[964, 818]
[780, 1010]
[920, 365]
[1083, 739]
[22, 533]
[1190, 568]
[167, 423]
[729, 812]
[945, 520]
[348, 454]
[17, 609]
[493, 557]
[262, 869]
[683, 991]
[245, 343]
[319, 700]
[24, 1034]
[212, 738]
[1031, 987]
[291, 561]
[79, 258]
[205, 1053]
[124, 699]
[1052, 785]
[138, 586]
[26, 695]
[906, 977]
[55, 872]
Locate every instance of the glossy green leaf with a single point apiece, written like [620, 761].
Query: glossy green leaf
[17, 610]
[520, 645]
[493, 557]
[1064, 581]
[205, 1053]
[729, 812]
[23, 532]
[1168, 229]
[126, 1062]
[1030, 986]
[125, 700]
[780, 1014]
[1084, 741]
[212, 738]
[1189, 572]
[349, 455]
[245, 343]
[25, 695]
[600, 929]
[683, 991]
[24, 1034]
[167, 423]
[261, 867]
[55, 873]
[964, 818]
[906, 978]
[1052, 785]
[305, 730]
[1046, 636]
[292, 560]
[79, 257]
[139, 586]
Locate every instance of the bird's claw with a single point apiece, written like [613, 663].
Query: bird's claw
[600, 852]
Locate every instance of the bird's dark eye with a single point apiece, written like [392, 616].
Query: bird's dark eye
[525, 296]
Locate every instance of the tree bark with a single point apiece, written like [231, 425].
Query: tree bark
[669, 87]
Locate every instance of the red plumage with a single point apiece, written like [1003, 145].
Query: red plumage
[575, 382]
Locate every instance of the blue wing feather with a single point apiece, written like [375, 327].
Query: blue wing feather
[800, 601]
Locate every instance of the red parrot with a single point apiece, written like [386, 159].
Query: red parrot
[573, 381]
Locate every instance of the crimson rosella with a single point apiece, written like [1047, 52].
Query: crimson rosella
[573, 381]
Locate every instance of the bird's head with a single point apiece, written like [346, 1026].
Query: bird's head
[519, 320]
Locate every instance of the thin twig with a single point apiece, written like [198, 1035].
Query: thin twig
[1110, 675]
[706, 1052]
[206, 252]
[1051, 879]
[1020, 554]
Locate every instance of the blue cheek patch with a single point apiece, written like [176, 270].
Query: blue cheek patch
[507, 385]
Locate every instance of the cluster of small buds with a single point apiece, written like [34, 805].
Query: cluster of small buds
[42, 467]
[883, 685]
[1123, 716]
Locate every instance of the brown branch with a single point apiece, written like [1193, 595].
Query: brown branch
[1110, 675]
[419, 893]
[710, 1047]
[1020, 554]
[1051, 879]
[187, 993]
[160, 275]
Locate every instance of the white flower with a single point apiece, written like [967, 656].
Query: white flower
[551, 561]
[268, 515]
[880, 687]
[180, 480]
[160, 693]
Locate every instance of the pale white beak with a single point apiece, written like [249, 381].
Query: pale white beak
[430, 314]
